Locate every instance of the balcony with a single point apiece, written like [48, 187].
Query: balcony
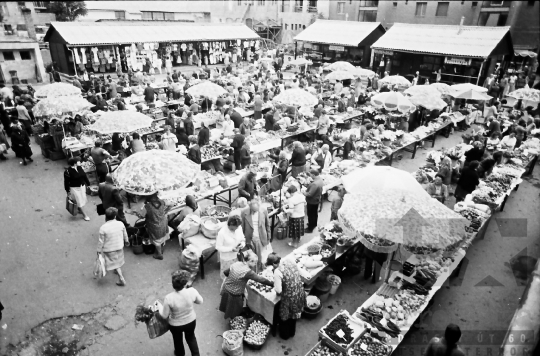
[312, 9]
[298, 8]
[285, 8]
[39, 4]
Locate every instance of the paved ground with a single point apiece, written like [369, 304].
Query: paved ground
[46, 282]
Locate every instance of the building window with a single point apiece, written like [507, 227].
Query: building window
[395, 3]
[496, 3]
[286, 26]
[39, 4]
[367, 15]
[261, 2]
[169, 15]
[502, 20]
[474, 4]
[9, 56]
[239, 2]
[22, 27]
[421, 9]
[442, 9]
[530, 3]
[341, 7]
[25, 55]
[367, 3]
[120, 15]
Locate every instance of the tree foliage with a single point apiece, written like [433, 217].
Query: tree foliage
[67, 10]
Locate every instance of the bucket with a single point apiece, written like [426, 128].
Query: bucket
[340, 248]
[281, 233]
[335, 282]
[148, 247]
[137, 249]
[321, 289]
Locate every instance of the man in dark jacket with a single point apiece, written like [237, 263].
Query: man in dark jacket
[298, 159]
[313, 195]
[204, 135]
[237, 119]
[493, 126]
[174, 76]
[110, 198]
[269, 121]
[149, 94]
[188, 124]
[237, 143]
[246, 186]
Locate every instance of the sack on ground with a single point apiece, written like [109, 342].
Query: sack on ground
[190, 226]
[189, 260]
[99, 267]
[233, 343]
[157, 326]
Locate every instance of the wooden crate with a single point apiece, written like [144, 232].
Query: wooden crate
[331, 343]
[45, 152]
[56, 155]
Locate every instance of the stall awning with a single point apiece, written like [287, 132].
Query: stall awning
[344, 33]
[524, 53]
[461, 41]
[127, 32]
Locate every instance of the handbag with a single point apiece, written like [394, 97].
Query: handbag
[71, 206]
[100, 209]
[157, 326]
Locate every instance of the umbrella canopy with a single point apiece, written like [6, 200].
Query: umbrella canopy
[121, 121]
[443, 88]
[57, 89]
[300, 62]
[471, 95]
[526, 94]
[428, 101]
[392, 101]
[339, 75]
[391, 207]
[468, 86]
[422, 89]
[145, 173]
[341, 65]
[206, 88]
[6, 92]
[296, 97]
[363, 73]
[395, 79]
[61, 105]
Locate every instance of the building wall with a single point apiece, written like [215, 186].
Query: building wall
[13, 15]
[26, 69]
[524, 22]
[405, 12]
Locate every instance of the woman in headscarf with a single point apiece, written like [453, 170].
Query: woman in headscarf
[237, 276]
[194, 152]
[288, 285]
[20, 142]
[257, 107]
[156, 223]
[228, 126]
[191, 208]
[229, 241]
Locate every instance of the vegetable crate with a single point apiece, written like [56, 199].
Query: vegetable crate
[317, 345]
[259, 318]
[334, 345]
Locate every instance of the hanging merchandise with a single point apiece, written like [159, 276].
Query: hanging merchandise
[238, 43]
[83, 55]
[183, 46]
[76, 56]
[95, 58]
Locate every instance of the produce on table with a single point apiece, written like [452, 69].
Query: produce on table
[256, 333]
[484, 194]
[340, 322]
[87, 165]
[368, 346]
[327, 251]
[323, 350]
[313, 302]
[210, 151]
[238, 323]
[262, 288]
[331, 232]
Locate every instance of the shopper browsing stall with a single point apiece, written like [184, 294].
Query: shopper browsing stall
[256, 228]
[229, 241]
[75, 183]
[313, 195]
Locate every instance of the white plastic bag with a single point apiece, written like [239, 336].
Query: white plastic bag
[99, 267]
[190, 225]
[233, 343]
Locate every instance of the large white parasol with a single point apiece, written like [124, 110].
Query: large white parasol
[296, 97]
[428, 101]
[61, 105]
[395, 80]
[206, 88]
[392, 101]
[121, 121]
[57, 89]
[341, 65]
[145, 173]
[340, 75]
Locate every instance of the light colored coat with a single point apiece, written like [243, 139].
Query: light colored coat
[264, 226]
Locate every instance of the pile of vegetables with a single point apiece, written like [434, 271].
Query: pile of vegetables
[256, 333]
[238, 323]
[323, 350]
[210, 151]
[143, 314]
[368, 346]
[332, 330]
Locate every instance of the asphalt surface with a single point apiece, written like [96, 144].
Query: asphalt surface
[46, 261]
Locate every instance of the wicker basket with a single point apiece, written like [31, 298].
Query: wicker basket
[212, 210]
[210, 233]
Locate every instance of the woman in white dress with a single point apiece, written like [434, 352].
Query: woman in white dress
[229, 241]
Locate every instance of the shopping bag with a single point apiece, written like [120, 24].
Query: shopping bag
[233, 343]
[99, 267]
[157, 326]
[3, 148]
[71, 206]
[190, 226]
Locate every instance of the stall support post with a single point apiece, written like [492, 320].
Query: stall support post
[388, 263]
[295, 48]
[480, 72]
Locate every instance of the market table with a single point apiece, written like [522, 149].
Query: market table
[205, 245]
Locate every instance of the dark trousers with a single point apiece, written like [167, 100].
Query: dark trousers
[178, 334]
[287, 328]
[120, 216]
[102, 170]
[313, 215]
[237, 160]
